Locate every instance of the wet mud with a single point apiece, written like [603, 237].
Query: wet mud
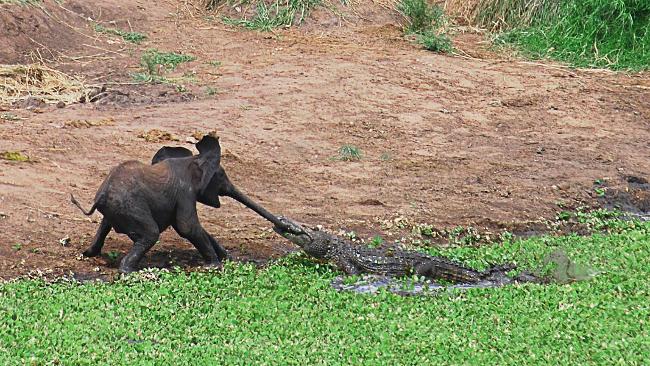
[631, 197]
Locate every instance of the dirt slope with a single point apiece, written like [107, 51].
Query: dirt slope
[446, 140]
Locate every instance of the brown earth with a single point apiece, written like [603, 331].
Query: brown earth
[446, 140]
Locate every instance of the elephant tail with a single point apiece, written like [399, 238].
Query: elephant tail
[76, 203]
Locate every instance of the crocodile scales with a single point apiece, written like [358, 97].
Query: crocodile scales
[354, 259]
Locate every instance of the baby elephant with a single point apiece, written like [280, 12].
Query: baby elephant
[142, 201]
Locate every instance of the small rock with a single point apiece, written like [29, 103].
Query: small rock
[60, 104]
[92, 94]
[31, 103]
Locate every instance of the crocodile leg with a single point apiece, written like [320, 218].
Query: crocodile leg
[347, 266]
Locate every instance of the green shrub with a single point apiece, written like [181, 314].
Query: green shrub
[278, 14]
[435, 42]
[420, 15]
[154, 63]
[133, 37]
[151, 58]
[349, 153]
[427, 23]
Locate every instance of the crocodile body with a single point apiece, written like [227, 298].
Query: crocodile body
[354, 259]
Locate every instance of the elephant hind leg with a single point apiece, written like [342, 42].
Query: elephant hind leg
[95, 247]
[130, 261]
[144, 236]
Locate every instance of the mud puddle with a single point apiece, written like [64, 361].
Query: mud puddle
[371, 284]
[632, 197]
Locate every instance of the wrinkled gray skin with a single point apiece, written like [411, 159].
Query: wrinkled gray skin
[355, 259]
[142, 201]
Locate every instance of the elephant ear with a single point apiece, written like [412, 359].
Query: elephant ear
[207, 161]
[170, 152]
[208, 142]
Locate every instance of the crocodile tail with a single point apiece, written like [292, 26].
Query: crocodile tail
[449, 271]
[498, 270]
[499, 274]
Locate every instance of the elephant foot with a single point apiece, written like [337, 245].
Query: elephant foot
[91, 252]
[126, 269]
[214, 265]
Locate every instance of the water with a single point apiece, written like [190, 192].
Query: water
[371, 284]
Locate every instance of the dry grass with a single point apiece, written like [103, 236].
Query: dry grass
[498, 15]
[462, 10]
[19, 82]
[89, 123]
[156, 135]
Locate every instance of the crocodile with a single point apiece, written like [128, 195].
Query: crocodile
[392, 262]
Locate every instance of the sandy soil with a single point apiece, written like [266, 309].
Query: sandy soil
[446, 140]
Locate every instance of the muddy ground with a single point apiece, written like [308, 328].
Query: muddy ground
[472, 139]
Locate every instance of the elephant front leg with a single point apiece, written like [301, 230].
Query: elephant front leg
[221, 252]
[188, 226]
[95, 247]
[210, 250]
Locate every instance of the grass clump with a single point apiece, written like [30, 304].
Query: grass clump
[20, 2]
[584, 33]
[420, 15]
[211, 91]
[156, 63]
[9, 117]
[14, 156]
[281, 13]
[152, 59]
[287, 313]
[427, 23]
[349, 153]
[435, 42]
[133, 37]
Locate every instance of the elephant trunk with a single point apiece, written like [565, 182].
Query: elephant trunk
[239, 196]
